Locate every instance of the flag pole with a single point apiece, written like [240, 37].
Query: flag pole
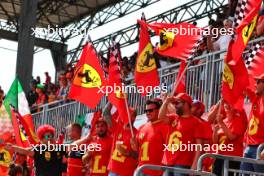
[189, 60]
[129, 118]
[181, 77]
[125, 97]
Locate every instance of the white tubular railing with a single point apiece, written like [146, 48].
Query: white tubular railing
[226, 159]
[260, 149]
[139, 170]
[203, 82]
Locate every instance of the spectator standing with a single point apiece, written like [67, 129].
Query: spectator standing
[255, 133]
[183, 129]
[32, 95]
[98, 160]
[48, 79]
[64, 88]
[151, 134]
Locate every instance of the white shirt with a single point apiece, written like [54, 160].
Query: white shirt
[222, 42]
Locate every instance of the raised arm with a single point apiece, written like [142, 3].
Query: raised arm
[23, 151]
[164, 108]
[213, 112]
[107, 114]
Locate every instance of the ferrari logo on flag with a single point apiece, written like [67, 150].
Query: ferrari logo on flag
[228, 76]
[5, 158]
[23, 137]
[146, 61]
[88, 77]
[166, 40]
[119, 94]
[247, 30]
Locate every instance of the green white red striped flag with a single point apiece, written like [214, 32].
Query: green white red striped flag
[17, 98]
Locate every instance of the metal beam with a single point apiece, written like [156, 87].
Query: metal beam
[105, 14]
[25, 47]
[13, 36]
[189, 12]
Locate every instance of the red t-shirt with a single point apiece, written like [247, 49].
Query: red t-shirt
[151, 138]
[237, 125]
[207, 130]
[41, 99]
[119, 164]
[184, 131]
[255, 132]
[100, 159]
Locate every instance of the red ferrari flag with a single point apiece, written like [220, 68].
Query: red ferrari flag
[235, 80]
[244, 23]
[117, 95]
[146, 66]
[177, 40]
[255, 64]
[20, 134]
[88, 78]
[96, 117]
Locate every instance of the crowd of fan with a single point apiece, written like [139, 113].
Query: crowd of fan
[49, 92]
[173, 121]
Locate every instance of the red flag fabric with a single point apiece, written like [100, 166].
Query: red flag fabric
[96, 117]
[176, 40]
[31, 136]
[21, 139]
[117, 96]
[255, 68]
[146, 66]
[245, 28]
[88, 78]
[235, 80]
[181, 85]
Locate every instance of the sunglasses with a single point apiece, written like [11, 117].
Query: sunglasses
[149, 110]
[48, 136]
[177, 103]
[260, 81]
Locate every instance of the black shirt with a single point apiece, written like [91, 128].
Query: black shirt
[48, 163]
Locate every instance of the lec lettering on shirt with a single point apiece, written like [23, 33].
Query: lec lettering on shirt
[174, 139]
[221, 142]
[96, 168]
[144, 148]
[118, 156]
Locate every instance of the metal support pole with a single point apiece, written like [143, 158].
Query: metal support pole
[26, 40]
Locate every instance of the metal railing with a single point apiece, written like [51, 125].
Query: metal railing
[139, 170]
[226, 159]
[203, 82]
[259, 150]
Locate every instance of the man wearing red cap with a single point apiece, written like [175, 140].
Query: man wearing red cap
[98, 160]
[198, 109]
[151, 137]
[255, 133]
[123, 160]
[184, 129]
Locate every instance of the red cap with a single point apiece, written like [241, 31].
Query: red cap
[260, 77]
[199, 104]
[101, 120]
[184, 97]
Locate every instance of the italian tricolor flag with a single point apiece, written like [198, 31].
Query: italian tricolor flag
[17, 99]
